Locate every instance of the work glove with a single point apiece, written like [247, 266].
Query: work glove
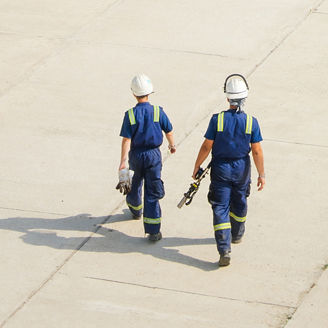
[125, 180]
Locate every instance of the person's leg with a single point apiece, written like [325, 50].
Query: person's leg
[238, 212]
[154, 191]
[239, 194]
[133, 198]
[219, 198]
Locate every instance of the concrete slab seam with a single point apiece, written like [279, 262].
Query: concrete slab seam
[295, 143]
[157, 48]
[59, 267]
[65, 43]
[308, 292]
[261, 62]
[296, 26]
[32, 211]
[193, 293]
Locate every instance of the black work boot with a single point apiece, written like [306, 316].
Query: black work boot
[224, 259]
[155, 236]
[236, 240]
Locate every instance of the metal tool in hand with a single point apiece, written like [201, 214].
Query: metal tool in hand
[189, 195]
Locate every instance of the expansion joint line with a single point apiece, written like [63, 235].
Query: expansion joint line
[59, 267]
[260, 63]
[191, 293]
[297, 25]
[65, 43]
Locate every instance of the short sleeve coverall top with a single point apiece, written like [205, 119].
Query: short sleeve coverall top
[144, 124]
[232, 132]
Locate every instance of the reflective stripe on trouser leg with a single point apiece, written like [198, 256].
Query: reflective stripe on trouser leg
[238, 210]
[237, 225]
[133, 198]
[154, 191]
[220, 199]
[152, 221]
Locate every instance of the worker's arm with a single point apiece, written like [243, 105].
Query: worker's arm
[259, 163]
[170, 139]
[202, 155]
[126, 143]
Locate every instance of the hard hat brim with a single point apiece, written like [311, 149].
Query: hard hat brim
[239, 95]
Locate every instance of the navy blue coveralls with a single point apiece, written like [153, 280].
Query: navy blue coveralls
[232, 132]
[144, 124]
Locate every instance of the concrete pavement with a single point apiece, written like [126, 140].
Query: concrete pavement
[71, 255]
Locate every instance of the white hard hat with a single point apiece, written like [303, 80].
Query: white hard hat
[236, 87]
[141, 85]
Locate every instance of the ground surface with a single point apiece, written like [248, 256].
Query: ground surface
[71, 255]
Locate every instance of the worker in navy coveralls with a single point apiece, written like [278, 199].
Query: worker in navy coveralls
[142, 136]
[231, 135]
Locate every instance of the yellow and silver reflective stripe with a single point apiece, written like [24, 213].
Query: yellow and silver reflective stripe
[131, 117]
[156, 113]
[220, 121]
[249, 123]
[237, 218]
[222, 226]
[152, 221]
[137, 208]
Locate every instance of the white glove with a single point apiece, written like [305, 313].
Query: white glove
[125, 180]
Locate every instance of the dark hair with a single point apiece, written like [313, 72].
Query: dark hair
[140, 97]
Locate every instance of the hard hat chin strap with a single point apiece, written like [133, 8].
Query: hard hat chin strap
[240, 103]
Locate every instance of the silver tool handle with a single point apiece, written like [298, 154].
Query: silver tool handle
[182, 201]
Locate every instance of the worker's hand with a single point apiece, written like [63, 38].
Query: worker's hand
[122, 166]
[260, 183]
[196, 169]
[172, 149]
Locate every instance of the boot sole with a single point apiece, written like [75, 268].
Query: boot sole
[155, 237]
[224, 261]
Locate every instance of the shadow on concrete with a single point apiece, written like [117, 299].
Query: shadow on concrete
[43, 232]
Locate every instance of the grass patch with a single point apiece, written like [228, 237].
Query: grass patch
[325, 267]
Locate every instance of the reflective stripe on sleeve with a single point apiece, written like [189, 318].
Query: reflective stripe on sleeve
[156, 113]
[152, 221]
[222, 226]
[237, 218]
[132, 117]
[220, 121]
[249, 123]
[137, 208]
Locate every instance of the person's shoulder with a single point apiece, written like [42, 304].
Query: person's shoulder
[215, 115]
[129, 109]
[254, 119]
[156, 106]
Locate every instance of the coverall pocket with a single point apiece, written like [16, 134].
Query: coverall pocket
[210, 196]
[248, 190]
[157, 189]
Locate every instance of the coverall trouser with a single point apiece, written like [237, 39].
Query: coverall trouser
[229, 188]
[147, 167]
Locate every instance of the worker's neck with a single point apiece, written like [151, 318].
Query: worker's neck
[142, 100]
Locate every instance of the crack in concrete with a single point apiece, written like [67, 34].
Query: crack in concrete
[191, 293]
